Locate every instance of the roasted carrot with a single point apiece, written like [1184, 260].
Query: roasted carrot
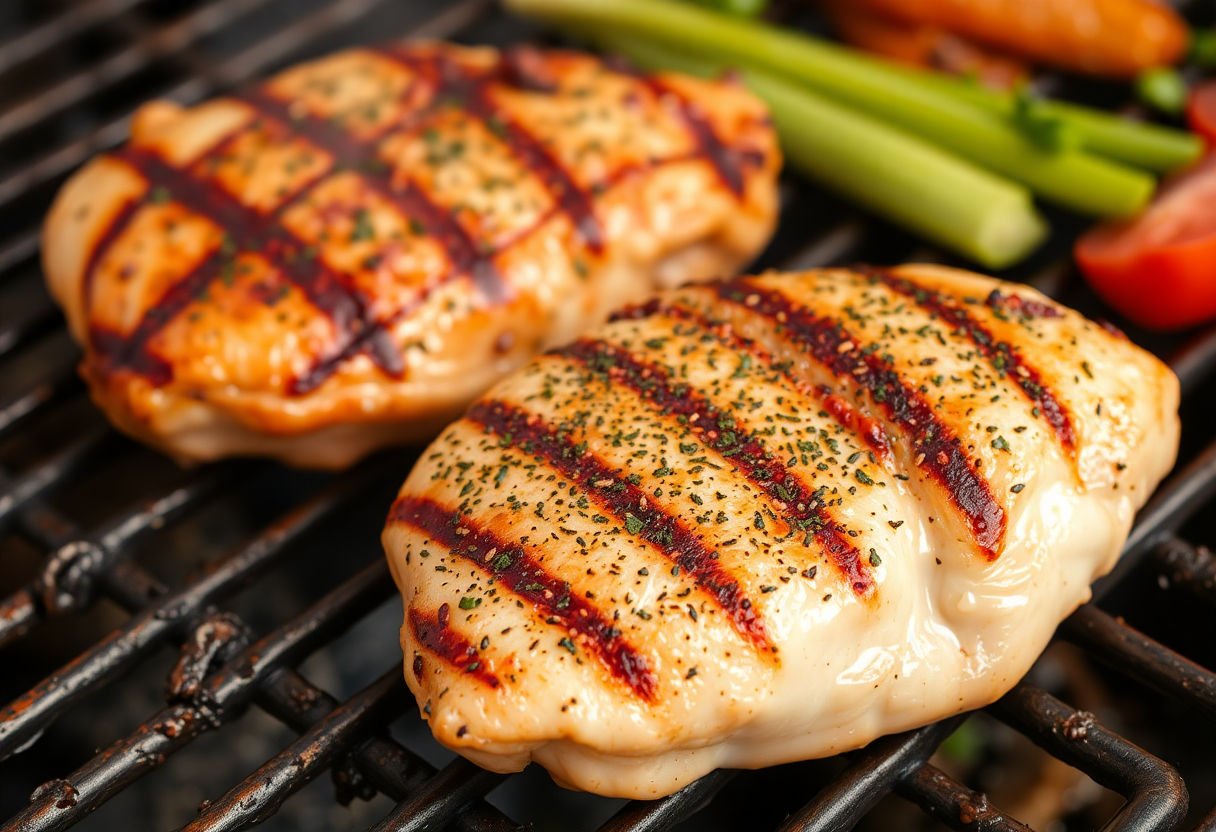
[922, 45]
[1117, 38]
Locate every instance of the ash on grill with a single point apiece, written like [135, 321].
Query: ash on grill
[175, 651]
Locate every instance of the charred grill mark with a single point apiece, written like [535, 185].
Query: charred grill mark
[938, 451]
[431, 630]
[723, 158]
[575, 202]
[472, 93]
[115, 350]
[1003, 357]
[733, 443]
[618, 497]
[460, 249]
[511, 566]
[113, 230]
[131, 352]
[846, 414]
[463, 254]
[1022, 307]
[870, 431]
[345, 306]
[245, 230]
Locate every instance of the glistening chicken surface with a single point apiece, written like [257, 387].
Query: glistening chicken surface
[345, 255]
[767, 520]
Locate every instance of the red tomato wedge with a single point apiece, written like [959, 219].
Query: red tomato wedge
[1201, 111]
[1159, 269]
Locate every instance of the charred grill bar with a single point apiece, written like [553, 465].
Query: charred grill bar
[223, 667]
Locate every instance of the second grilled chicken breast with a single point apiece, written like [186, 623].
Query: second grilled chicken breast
[769, 520]
[347, 254]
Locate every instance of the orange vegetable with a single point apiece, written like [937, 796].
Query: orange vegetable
[921, 45]
[1118, 38]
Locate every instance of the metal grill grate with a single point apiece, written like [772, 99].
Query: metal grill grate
[101, 58]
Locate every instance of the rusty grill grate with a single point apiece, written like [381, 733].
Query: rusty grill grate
[69, 76]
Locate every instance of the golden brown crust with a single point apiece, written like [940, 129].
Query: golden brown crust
[374, 237]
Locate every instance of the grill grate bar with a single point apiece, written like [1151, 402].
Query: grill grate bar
[953, 804]
[1175, 502]
[260, 795]
[285, 698]
[1191, 567]
[33, 317]
[1157, 793]
[1137, 655]
[876, 768]
[388, 766]
[1053, 279]
[1195, 362]
[57, 382]
[18, 249]
[442, 798]
[139, 54]
[218, 699]
[833, 246]
[52, 472]
[171, 617]
[53, 34]
[236, 69]
[70, 572]
[291, 643]
[47, 169]
[663, 814]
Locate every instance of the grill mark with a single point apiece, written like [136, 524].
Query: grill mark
[472, 94]
[459, 248]
[114, 228]
[1020, 306]
[854, 420]
[575, 202]
[724, 160]
[365, 333]
[431, 630]
[867, 429]
[664, 532]
[1001, 355]
[527, 579]
[131, 352]
[249, 231]
[735, 444]
[462, 253]
[938, 451]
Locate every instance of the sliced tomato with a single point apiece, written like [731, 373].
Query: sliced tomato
[1159, 269]
[1201, 111]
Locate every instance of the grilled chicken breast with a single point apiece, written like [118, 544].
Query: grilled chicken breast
[767, 520]
[347, 254]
